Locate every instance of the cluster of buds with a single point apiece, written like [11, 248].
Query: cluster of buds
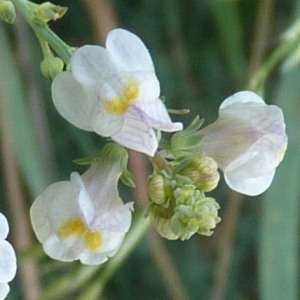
[178, 209]
[202, 170]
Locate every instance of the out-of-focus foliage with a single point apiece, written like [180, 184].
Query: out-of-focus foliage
[202, 51]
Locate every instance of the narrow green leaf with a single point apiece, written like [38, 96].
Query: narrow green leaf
[278, 252]
[19, 118]
[230, 32]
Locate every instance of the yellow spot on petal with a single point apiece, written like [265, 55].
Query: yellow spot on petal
[129, 95]
[93, 240]
[75, 227]
[116, 106]
[72, 227]
[131, 91]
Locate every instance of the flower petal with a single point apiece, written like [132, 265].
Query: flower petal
[250, 186]
[248, 141]
[235, 132]
[74, 102]
[116, 219]
[3, 227]
[8, 265]
[96, 258]
[112, 215]
[85, 203]
[4, 290]
[136, 134]
[260, 158]
[242, 98]
[107, 124]
[90, 64]
[128, 51]
[52, 208]
[155, 114]
[58, 249]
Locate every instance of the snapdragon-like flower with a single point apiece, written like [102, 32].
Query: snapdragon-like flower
[8, 261]
[248, 141]
[84, 218]
[114, 92]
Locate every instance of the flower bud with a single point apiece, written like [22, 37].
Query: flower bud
[7, 11]
[184, 212]
[203, 171]
[200, 217]
[161, 220]
[156, 189]
[48, 11]
[208, 216]
[51, 66]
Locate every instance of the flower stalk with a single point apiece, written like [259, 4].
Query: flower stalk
[42, 29]
[137, 231]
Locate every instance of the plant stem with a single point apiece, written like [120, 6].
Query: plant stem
[59, 46]
[137, 231]
[290, 41]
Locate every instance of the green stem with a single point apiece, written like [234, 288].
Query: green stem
[275, 58]
[137, 231]
[44, 46]
[59, 46]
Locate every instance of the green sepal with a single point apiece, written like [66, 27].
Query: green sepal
[127, 178]
[47, 11]
[111, 153]
[184, 141]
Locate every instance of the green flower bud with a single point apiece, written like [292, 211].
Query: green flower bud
[7, 12]
[184, 211]
[199, 218]
[161, 220]
[163, 227]
[185, 194]
[51, 66]
[203, 171]
[47, 11]
[208, 216]
[156, 189]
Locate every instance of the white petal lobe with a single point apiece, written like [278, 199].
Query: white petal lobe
[3, 227]
[128, 51]
[73, 101]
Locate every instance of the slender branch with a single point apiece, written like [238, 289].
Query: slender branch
[136, 233]
[27, 269]
[261, 35]
[290, 40]
[227, 233]
[58, 45]
[167, 268]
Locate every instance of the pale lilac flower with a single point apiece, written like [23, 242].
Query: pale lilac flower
[248, 141]
[114, 92]
[8, 261]
[83, 218]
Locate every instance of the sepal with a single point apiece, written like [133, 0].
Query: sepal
[183, 141]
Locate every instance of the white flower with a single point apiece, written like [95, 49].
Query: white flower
[8, 261]
[114, 92]
[83, 218]
[248, 141]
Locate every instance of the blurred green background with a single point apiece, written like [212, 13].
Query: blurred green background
[203, 51]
